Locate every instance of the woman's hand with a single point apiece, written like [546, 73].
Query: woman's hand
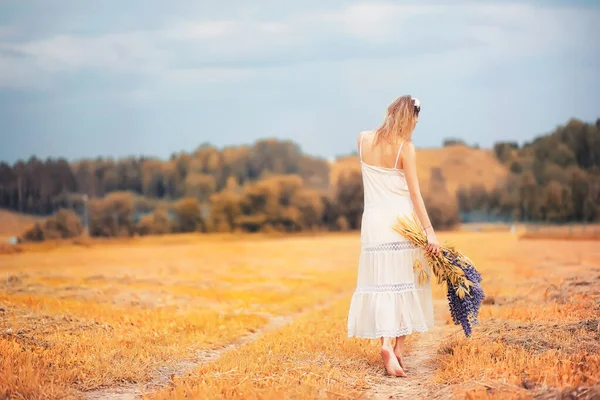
[433, 246]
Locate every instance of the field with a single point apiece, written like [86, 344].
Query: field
[256, 317]
[13, 224]
[562, 232]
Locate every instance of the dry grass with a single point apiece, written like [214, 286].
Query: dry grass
[538, 334]
[539, 328]
[13, 224]
[487, 227]
[85, 317]
[564, 232]
[76, 318]
[305, 360]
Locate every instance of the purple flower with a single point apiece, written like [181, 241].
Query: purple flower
[464, 311]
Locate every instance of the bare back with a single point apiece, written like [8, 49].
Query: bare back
[382, 154]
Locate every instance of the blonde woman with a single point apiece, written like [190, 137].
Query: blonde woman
[389, 301]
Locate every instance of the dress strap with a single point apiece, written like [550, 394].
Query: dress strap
[398, 155]
[362, 136]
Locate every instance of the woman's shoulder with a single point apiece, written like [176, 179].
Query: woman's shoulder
[408, 149]
[363, 134]
[408, 144]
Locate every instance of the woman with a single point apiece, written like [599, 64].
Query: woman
[389, 301]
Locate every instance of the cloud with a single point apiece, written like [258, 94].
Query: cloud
[377, 22]
[17, 72]
[356, 31]
[110, 51]
[188, 30]
[77, 79]
[253, 62]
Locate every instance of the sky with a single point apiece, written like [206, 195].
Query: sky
[142, 77]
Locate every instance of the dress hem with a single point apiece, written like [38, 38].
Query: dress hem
[391, 334]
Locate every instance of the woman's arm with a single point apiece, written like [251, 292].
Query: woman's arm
[409, 164]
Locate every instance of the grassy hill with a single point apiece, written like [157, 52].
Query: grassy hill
[460, 165]
[13, 224]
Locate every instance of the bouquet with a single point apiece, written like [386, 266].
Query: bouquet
[450, 267]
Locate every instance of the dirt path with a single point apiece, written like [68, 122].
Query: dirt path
[164, 375]
[420, 367]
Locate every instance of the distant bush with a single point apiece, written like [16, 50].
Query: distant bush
[505, 150]
[472, 198]
[112, 215]
[442, 211]
[156, 223]
[349, 193]
[64, 224]
[225, 208]
[342, 224]
[187, 216]
[280, 203]
[516, 167]
[441, 207]
[454, 142]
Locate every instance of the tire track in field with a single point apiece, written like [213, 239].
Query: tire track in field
[164, 375]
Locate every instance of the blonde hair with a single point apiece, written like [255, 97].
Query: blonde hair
[399, 122]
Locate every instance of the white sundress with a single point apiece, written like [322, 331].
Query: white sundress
[388, 300]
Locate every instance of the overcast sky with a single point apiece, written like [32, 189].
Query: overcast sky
[116, 78]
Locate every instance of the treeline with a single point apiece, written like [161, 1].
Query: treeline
[277, 191]
[555, 178]
[282, 203]
[272, 185]
[42, 187]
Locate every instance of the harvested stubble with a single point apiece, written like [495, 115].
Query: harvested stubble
[143, 304]
[311, 358]
[81, 318]
[539, 327]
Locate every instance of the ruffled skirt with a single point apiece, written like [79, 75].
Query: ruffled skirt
[393, 292]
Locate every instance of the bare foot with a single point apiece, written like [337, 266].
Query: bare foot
[398, 355]
[391, 362]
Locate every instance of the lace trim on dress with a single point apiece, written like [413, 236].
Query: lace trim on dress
[389, 333]
[393, 246]
[396, 288]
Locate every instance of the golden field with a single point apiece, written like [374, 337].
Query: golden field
[13, 224]
[259, 317]
[562, 232]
